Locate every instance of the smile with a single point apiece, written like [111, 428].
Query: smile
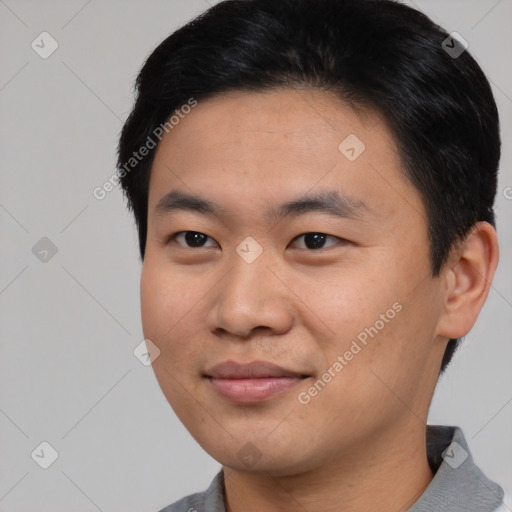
[253, 382]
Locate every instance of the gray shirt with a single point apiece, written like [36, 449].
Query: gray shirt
[458, 485]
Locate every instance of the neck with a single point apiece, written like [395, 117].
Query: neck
[388, 473]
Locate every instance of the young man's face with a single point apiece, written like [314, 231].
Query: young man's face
[358, 315]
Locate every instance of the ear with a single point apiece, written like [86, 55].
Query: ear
[468, 276]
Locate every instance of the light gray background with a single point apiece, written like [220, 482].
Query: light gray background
[69, 326]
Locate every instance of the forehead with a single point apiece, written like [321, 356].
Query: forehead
[244, 149]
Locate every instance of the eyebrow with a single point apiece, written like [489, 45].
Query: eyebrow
[329, 202]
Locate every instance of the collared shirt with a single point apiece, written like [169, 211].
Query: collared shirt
[458, 484]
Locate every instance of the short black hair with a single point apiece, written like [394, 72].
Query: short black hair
[378, 54]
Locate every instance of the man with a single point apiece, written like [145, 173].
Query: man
[313, 184]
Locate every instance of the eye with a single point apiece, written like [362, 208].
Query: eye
[317, 240]
[192, 239]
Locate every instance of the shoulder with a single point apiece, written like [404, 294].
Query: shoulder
[211, 500]
[504, 507]
[458, 483]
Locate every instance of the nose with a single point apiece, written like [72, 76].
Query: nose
[250, 298]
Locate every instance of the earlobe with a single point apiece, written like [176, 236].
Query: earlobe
[468, 277]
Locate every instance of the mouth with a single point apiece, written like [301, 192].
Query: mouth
[250, 383]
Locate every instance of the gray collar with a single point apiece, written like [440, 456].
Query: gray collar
[458, 484]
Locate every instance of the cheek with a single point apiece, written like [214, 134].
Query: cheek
[350, 301]
[373, 317]
[167, 306]
[157, 304]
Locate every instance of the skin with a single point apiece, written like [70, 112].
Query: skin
[359, 444]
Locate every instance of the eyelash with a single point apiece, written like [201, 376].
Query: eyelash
[174, 236]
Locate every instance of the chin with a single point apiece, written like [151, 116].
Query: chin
[262, 457]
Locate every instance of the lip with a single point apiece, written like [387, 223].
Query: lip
[253, 382]
[253, 370]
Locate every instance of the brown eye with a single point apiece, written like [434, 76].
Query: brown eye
[192, 239]
[317, 241]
